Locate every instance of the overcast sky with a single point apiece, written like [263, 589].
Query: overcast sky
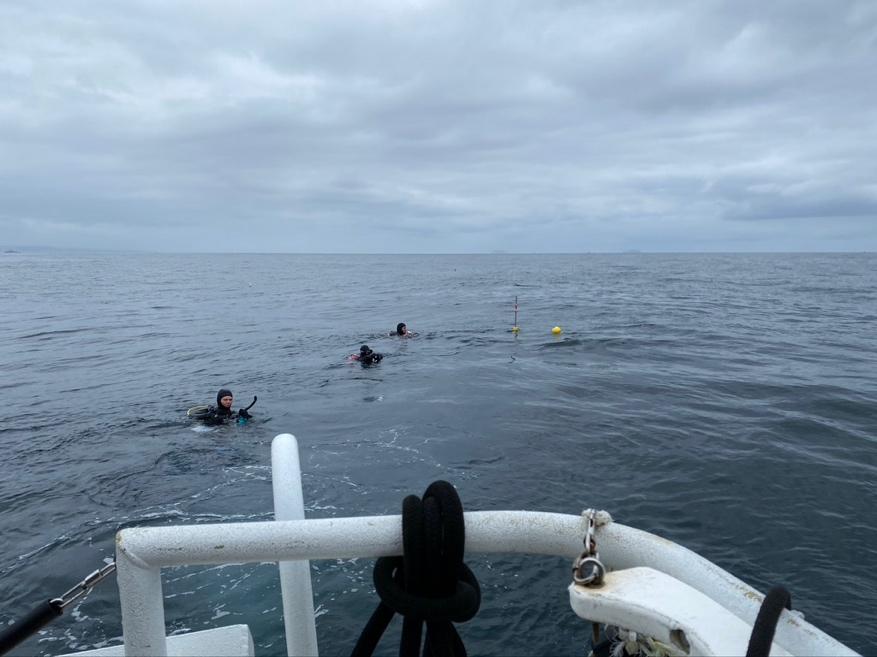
[433, 126]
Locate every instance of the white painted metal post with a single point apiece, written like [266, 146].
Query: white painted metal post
[142, 603]
[295, 576]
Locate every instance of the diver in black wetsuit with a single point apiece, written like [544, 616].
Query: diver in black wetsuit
[402, 331]
[222, 412]
[366, 356]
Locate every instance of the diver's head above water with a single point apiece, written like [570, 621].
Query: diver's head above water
[224, 400]
[401, 328]
[367, 356]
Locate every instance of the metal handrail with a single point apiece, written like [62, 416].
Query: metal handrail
[142, 552]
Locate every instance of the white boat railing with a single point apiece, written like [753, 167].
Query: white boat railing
[291, 541]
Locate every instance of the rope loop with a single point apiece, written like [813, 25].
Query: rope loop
[429, 585]
[459, 607]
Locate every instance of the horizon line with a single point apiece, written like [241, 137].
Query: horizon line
[12, 250]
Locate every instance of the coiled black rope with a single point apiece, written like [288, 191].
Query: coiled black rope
[777, 599]
[430, 583]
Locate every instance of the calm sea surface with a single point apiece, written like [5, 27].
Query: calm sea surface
[726, 402]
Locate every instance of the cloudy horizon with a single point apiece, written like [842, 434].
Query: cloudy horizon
[426, 126]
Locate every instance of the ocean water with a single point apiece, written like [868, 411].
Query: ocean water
[725, 402]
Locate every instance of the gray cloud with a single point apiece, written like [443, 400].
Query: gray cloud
[388, 125]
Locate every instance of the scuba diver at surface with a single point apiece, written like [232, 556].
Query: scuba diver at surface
[366, 356]
[402, 331]
[222, 412]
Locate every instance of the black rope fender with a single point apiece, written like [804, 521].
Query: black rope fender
[777, 599]
[49, 610]
[430, 583]
[35, 620]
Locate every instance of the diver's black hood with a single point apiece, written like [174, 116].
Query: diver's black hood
[223, 392]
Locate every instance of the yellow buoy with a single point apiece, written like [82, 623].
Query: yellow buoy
[516, 329]
[557, 330]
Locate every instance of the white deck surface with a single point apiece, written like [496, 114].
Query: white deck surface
[231, 641]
